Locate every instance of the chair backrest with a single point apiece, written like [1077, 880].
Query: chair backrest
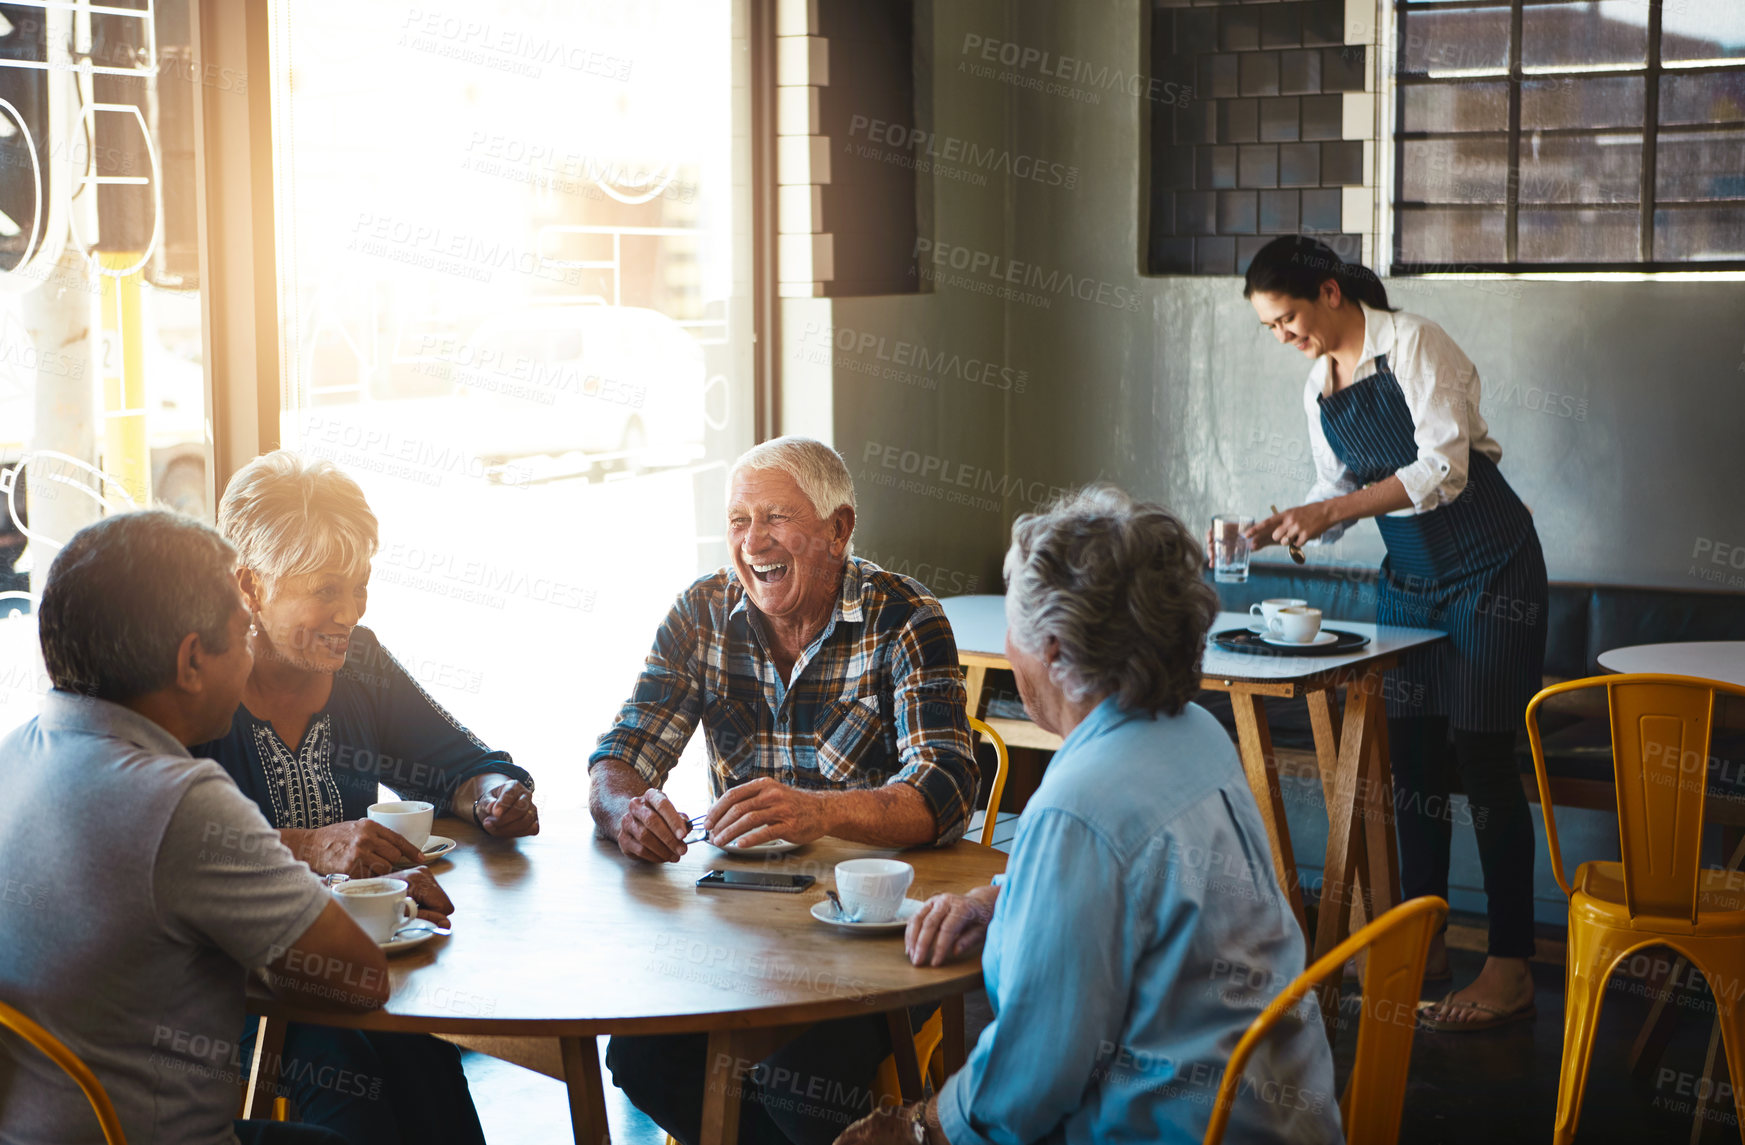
[53, 1049]
[1660, 759]
[999, 789]
[1398, 942]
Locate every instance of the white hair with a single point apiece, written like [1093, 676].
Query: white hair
[817, 469]
[290, 517]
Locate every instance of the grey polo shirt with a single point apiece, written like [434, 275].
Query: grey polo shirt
[138, 887]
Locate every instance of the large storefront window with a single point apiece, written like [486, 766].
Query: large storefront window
[516, 310]
[102, 391]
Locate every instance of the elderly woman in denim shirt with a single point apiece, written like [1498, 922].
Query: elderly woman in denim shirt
[1139, 927]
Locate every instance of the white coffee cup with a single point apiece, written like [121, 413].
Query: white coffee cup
[1267, 610]
[410, 817]
[1298, 625]
[872, 889]
[379, 906]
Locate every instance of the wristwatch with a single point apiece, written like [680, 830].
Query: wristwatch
[918, 1122]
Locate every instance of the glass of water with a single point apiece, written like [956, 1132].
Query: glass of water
[1230, 548]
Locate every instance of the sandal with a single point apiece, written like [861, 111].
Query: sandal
[1495, 1019]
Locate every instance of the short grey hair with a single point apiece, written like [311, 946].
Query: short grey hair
[817, 469]
[1117, 583]
[123, 595]
[290, 517]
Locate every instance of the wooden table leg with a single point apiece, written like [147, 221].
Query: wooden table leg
[1324, 723]
[722, 1080]
[1344, 828]
[581, 1068]
[263, 1071]
[1254, 743]
[1380, 866]
[975, 677]
[1706, 1093]
[952, 1046]
[903, 1051]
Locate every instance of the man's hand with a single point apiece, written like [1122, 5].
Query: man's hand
[433, 903]
[949, 927]
[652, 829]
[507, 811]
[361, 848]
[764, 810]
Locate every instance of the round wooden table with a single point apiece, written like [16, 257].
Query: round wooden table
[559, 938]
[1722, 660]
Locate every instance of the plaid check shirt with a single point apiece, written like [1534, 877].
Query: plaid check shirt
[877, 698]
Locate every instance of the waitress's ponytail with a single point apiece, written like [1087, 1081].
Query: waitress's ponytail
[1297, 265]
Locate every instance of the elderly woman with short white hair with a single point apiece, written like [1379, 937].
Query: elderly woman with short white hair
[1139, 927]
[327, 714]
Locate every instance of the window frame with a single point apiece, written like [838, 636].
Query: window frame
[1646, 203]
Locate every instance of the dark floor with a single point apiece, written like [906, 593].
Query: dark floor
[1500, 1087]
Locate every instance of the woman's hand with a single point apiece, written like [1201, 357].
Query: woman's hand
[949, 927]
[507, 811]
[433, 904]
[1296, 526]
[892, 1125]
[361, 848]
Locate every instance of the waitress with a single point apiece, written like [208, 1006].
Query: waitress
[1396, 434]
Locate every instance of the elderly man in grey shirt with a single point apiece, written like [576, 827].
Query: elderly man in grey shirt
[140, 887]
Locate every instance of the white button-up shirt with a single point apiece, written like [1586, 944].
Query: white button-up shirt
[1442, 390]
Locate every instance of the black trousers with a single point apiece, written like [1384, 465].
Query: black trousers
[1496, 808]
[806, 1093]
[374, 1088]
[284, 1133]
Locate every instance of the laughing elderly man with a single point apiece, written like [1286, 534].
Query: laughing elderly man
[829, 693]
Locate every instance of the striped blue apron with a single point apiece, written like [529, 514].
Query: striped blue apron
[1471, 568]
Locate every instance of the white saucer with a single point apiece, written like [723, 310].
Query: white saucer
[825, 911]
[437, 846]
[1259, 629]
[773, 847]
[415, 933]
[1320, 639]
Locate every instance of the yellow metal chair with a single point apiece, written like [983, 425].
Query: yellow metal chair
[1376, 1092]
[1659, 894]
[930, 1038]
[53, 1049]
[999, 788]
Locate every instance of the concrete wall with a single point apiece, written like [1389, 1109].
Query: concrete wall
[1620, 405]
[921, 402]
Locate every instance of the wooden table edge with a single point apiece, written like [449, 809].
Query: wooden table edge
[795, 1013]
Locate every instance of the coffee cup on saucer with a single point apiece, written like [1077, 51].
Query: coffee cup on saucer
[1297, 624]
[411, 818]
[872, 890]
[1267, 610]
[379, 906]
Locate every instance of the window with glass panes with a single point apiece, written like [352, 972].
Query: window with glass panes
[1569, 135]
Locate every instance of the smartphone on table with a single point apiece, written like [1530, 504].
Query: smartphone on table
[755, 881]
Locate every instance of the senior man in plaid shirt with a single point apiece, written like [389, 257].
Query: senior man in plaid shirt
[829, 692]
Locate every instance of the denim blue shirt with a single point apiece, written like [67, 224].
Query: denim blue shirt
[1139, 930]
